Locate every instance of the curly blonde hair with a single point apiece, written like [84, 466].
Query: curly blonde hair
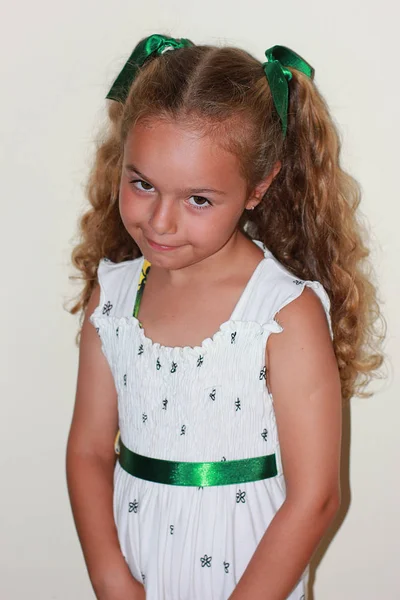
[307, 218]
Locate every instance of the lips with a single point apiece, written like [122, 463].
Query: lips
[153, 243]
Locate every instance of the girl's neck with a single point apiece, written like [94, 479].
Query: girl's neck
[238, 255]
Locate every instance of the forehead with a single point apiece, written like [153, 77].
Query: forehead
[165, 150]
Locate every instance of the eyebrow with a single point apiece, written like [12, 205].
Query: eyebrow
[134, 169]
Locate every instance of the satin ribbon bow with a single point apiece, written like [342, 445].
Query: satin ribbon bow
[153, 45]
[279, 57]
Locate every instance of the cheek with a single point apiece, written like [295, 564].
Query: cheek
[128, 208]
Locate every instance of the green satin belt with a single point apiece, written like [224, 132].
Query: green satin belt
[198, 474]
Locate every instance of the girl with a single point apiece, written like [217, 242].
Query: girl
[226, 316]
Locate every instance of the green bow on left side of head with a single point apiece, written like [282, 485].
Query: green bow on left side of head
[279, 57]
[152, 45]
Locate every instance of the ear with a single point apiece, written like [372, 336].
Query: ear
[260, 189]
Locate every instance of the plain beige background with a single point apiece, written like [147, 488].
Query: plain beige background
[57, 62]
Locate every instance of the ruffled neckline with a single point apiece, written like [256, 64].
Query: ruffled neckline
[226, 328]
[230, 325]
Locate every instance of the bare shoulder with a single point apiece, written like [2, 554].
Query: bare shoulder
[305, 311]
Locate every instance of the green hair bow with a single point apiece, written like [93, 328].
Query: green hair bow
[279, 57]
[150, 46]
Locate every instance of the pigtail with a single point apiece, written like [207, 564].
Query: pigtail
[310, 222]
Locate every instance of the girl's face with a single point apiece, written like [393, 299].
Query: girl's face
[181, 190]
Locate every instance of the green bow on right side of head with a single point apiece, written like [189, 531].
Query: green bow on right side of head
[152, 45]
[279, 57]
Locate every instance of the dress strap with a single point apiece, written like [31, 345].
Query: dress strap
[140, 289]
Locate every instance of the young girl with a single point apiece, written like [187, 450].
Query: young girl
[227, 315]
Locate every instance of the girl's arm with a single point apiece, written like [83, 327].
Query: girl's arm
[90, 467]
[305, 385]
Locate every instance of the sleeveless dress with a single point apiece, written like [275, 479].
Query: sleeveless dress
[203, 403]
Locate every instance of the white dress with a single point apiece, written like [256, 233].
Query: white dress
[203, 403]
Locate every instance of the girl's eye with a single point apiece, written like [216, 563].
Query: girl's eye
[204, 202]
[200, 206]
[142, 182]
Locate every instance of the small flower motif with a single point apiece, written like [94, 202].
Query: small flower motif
[200, 487]
[158, 364]
[144, 417]
[107, 308]
[164, 403]
[226, 567]
[233, 337]
[206, 561]
[264, 435]
[237, 404]
[171, 529]
[173, 367]
[223, 459]
[117, 331]
[212, 394]
[133, 506]
[125, 380]
[200, 360]
[97, 330]
[263, 373]
[297, 282]
[183, 429]
[240, 497]
[140, 350]
[143, 577]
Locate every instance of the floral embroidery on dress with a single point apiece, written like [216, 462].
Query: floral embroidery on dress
[240, 496]
[237, 404]
[206, 561]
[107, 308]
[200, 360]
[263, 373]
[264, 435]
[226, 567]
[133, 506]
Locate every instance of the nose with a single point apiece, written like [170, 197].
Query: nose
[164, 216]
